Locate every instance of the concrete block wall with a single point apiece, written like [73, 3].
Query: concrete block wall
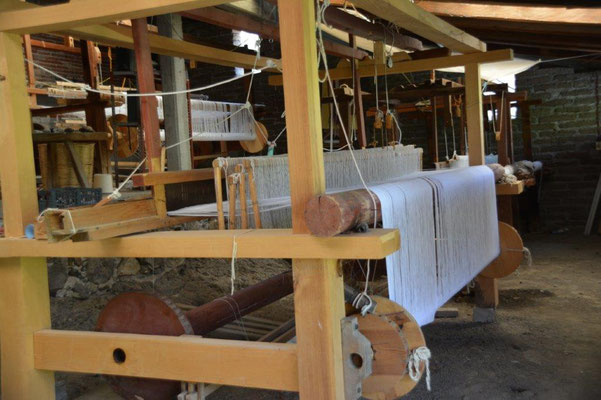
[564, 131]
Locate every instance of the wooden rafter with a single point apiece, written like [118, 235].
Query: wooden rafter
[565, 14]
[417, 65]
[411, 17]
[90, 12]
[121, 36]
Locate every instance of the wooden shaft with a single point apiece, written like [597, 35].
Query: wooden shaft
[219, 194]
[332, 214]
[253, 194]
[358, 99]
[148, 107]
[242, 188]
[232, 202]
[221, 311]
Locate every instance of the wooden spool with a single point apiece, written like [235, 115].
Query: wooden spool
[259, 143]
[511, 253]
[392, 342]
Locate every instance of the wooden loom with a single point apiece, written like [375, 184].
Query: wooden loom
[313, 366]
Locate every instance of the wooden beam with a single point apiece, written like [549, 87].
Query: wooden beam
[30, 68]
[375, 244]
[183, 358]
[318, 285]
[229, 20]
[76, 164]
[90, 12]
[473, 109]
[566, 14]
[148, 108]
[121, 36]
[24, 296]
[411, 17]
[509, 189]
[165, 178]
[54, 46]
[416, 65]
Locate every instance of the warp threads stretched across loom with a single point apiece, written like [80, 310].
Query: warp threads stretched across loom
[447, 219]
[449, 230]
[210, 120]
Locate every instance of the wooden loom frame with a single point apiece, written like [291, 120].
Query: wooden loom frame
[313, 366]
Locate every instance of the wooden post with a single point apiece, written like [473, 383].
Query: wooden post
[24, 295]
[433, 142]
[95, 116]
[33, 101]
[242, 186]
[148, 107]
[487, 293]
[318, 286]
[473, 111]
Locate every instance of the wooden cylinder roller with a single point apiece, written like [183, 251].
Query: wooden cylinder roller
[332, 214]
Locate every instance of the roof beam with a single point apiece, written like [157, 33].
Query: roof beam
[415, 65]
[90, 12]
[121, 36]
[409, 16]
[225, 19]
[515, 12]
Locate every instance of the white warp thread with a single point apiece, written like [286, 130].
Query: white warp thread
[210, 122]
[448, 225]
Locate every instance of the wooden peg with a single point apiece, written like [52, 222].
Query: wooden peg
[232, 201]
[218, 194]
[253, 194]
[242, 188]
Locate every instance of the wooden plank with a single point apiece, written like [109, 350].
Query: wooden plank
[76, 164]
[168, 177]
[318, 286]
[183, 358]
[473, 110]
[90, 12]
[376, 244]
[121, 36]
[30, 68]
[565, 14]
[509, 189]
[54, 46]
[411, 17]
[24, 296]
[416, 65]
[72, 137]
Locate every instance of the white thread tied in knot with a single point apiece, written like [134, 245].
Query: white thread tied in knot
[417, 356]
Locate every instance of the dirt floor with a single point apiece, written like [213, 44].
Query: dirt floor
[546, 343]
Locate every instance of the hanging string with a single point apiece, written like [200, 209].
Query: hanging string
[419, 355]
[270, 64]
[322, 57]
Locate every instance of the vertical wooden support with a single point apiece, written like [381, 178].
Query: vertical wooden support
[231, 182]
[433, 141]
[24, 296]
[487, 293]
[148, 107]
[219, 194]
[33, 100]
[318, 287]
[358, 98]
[473, 111]
[253, 193]
[95, 116]
[242, 188]
[526, 130]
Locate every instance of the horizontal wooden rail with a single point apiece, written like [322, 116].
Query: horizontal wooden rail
[510, 189]
[251, 243]
[183, 358]
[415, 65]
[166, 178]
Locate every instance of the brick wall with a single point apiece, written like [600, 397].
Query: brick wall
[563, 138]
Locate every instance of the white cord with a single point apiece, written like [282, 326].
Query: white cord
[270, 64]
[417, 356]
[322, 56]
